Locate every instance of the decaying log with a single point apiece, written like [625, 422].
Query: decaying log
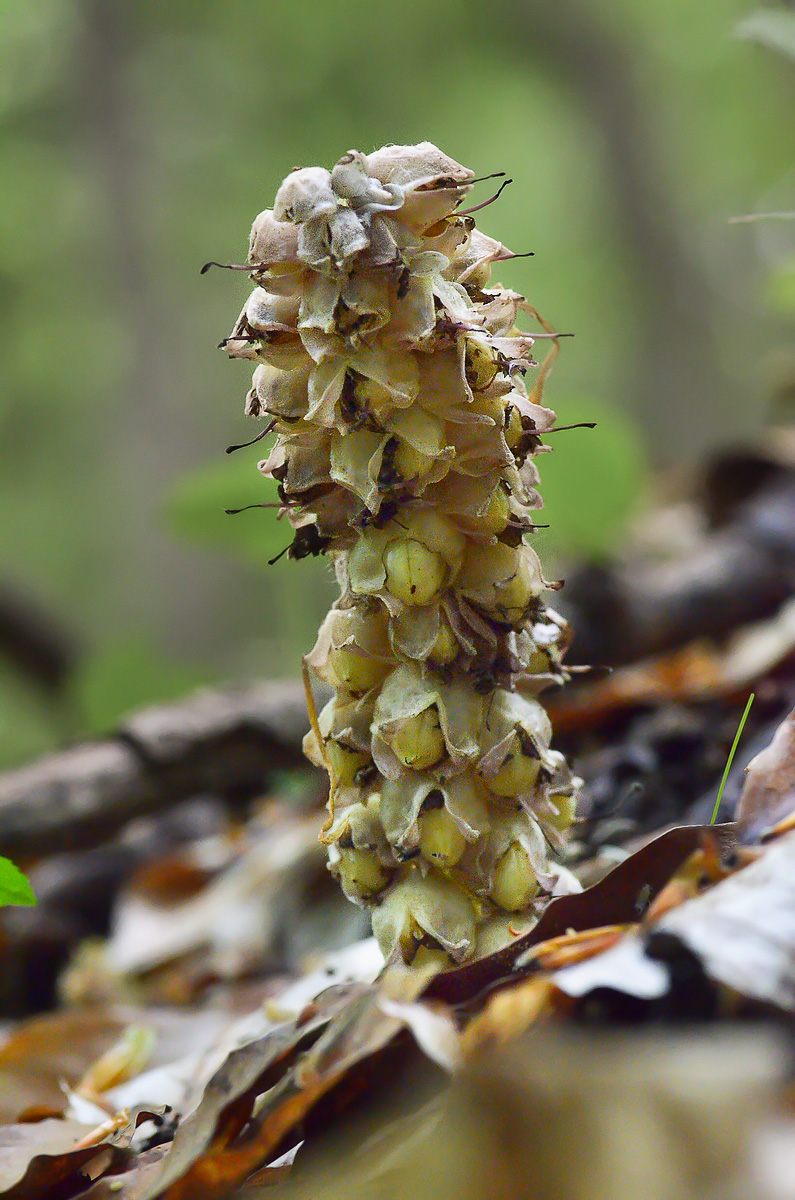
[218, 742]
[742, 572]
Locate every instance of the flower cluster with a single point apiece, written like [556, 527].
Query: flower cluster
[394, 375]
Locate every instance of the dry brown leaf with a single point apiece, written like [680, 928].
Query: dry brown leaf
[697, 671]
[209, 1158]
[43, 1157]
[620, 897]
[510, 1012]
[124, 1185]
[44, 1051]
[21, 1144]
[743, 929]
[570, 948]
[741, 932]
[768, 795]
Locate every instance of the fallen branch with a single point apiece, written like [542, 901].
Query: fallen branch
[218, 742]
[742, 573]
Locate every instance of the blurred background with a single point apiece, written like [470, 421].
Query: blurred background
[139, 140]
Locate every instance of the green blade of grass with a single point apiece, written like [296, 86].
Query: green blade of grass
[730, 759]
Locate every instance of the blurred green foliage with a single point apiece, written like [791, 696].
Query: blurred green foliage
[592, 482]
[197, 509]
[119, 678]
[771, 27]
[137, 141]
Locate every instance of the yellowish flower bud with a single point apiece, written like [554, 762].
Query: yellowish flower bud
[502, 579]
[490, 406]
[394, 925]
[483, 565]
[480, 365]
[357, 673]
[565, 810]
[411, 463]
[373, 398]
[435, 531]
[344, 761]
[361, 874]
[428, 956]
[511, 601]
[418, 429]
[513, 427]
[441, 841]
[419, 742]
[445, 649]
[495, 518]
[422, 907]
[414, 574]
[517, 774]
[515, 883]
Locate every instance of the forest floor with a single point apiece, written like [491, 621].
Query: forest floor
[192, 1010]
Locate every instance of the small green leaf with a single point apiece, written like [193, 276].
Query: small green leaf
[772, 28]
[14, 887]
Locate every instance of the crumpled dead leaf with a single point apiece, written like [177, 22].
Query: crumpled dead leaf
[45, 1155]
[209, 1157]
[229, 1097]
[20, 1145]
[619, 898]
[768, 795]
[743, 929]
[697, 671]
[46, 1051]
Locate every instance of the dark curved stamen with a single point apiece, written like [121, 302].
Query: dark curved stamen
[465, 212]
[226, 266]
[249, 338]
[483, 178]
[281, 554]
[262, 433]
[232, 512]
[579, 425]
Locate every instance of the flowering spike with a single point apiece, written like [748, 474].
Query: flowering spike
[393, 372]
